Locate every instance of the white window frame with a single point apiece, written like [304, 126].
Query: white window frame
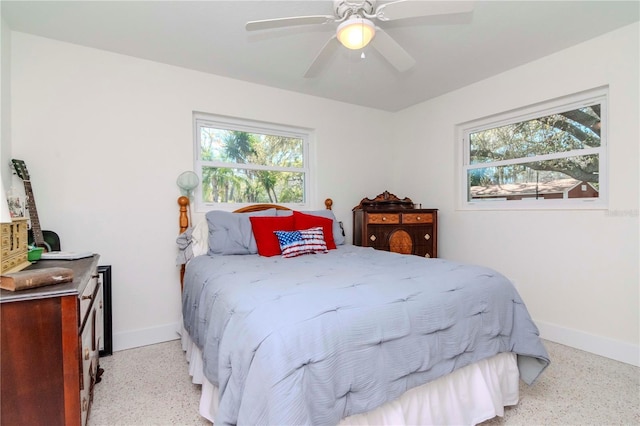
[251, 126]
[567, 103]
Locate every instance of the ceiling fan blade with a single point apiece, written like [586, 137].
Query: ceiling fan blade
[402, 9]
[392, 51]
[322, 57]
[288, 22]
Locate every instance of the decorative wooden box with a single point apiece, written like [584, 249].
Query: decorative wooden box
[13, 256]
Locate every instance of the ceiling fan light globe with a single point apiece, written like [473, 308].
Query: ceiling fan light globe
[356, 32]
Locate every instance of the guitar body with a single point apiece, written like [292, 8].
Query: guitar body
[51, 240]
[46, 239]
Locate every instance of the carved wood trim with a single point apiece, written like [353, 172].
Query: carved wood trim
[400, 242]
[386, 200]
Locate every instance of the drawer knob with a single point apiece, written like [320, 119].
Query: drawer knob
[427, 237]
[86, 354]
[384, 218]
[418, 217]
[372, 238]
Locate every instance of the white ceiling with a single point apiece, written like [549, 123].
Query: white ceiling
[210, 36]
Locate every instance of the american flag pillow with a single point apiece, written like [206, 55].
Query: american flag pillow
[296, 243]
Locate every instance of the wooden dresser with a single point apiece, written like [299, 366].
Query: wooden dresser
[387, 222]
[50, 342]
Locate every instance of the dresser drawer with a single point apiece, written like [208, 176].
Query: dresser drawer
[87, 297]
[87, 374]
[13, 260]
[383, 218]
[417, 217]
[5, 242]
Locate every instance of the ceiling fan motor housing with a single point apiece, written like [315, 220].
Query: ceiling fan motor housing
[345, 8]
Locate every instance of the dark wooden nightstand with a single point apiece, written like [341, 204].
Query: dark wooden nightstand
[387, 222]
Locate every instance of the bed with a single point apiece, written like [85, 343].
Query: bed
[342, 334]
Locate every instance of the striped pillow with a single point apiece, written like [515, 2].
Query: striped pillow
[296, 243]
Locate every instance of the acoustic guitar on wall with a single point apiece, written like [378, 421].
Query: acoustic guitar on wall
[49, 240]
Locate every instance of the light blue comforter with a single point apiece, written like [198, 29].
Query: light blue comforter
[313, 339]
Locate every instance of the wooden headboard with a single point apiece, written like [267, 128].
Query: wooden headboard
[183, 202]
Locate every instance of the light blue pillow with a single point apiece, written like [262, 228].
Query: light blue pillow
[336, 229]
[230, 233]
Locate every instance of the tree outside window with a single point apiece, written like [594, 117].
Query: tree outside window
[554, 156]
[246, 166]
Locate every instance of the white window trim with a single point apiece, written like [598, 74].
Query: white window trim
[567, 103]
[253, 126]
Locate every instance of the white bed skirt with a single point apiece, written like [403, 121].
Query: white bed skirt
[467, 396]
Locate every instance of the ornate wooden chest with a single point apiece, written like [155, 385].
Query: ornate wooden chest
[387, 222]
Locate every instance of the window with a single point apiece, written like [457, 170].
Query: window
[241, 162]
[551, 155]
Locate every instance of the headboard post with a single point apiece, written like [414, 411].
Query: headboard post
[183, 202]
[328, 203]
[184, 217]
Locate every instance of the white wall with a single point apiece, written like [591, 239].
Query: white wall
[104, 137]
[5, 103]
[576, 270]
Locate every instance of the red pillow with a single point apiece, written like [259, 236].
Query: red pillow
[306, 221]
[263, 227]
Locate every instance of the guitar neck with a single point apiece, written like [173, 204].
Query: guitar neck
[38, 238]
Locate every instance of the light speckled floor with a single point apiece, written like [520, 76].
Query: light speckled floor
[578, 388]
[146, 386]
[151, 386]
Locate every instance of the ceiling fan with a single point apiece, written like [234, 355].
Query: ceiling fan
[357, 29]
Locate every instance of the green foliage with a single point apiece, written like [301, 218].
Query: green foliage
[557, 133]
[266, 180]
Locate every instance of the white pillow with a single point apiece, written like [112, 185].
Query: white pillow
[200, 238]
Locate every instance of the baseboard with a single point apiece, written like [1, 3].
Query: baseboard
[145, 336]
[603, 346]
